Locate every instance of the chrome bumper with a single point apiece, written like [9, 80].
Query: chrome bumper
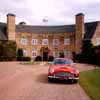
[54, 77]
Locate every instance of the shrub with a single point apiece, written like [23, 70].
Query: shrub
[86, 56]
[50, 58]
[19, 52]
[19, 58]
[26, 58]
[23, 58]
[74, 56]
[61, 54]
[7, 51]
[38, 58]
[97, 55]
[80, 58]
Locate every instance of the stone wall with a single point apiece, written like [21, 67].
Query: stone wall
[11, 27]
[50, 36]
[96, 35]
[79, 33]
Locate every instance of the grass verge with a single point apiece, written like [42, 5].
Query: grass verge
[29, 63]
[34, 63]
[90, 81]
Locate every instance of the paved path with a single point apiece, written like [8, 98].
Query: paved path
[29, 82]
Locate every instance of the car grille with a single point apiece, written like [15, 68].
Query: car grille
[62, 74]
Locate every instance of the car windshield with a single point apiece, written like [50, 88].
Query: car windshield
[62, 61]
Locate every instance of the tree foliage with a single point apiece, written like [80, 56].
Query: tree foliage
[20, 56]
[19, 52]
[87, 53]
[87, 48]
[61, 54]
[7, 50]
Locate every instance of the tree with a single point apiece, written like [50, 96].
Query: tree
[87, 53]
[19, 52]
[61, 54]
[7, 50]
[97, 55]
[87, 48]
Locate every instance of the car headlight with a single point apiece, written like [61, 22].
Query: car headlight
[51, 70]
[76, 71]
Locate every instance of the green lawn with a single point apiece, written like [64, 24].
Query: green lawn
[29, 63]
[90, 81]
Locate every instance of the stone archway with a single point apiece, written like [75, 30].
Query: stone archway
[44, 52]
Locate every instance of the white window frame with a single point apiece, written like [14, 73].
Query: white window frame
[98, 41]
[35, 41]
[56, 42]
[24, 41]
[67, 53]
[45, 42]
[24, 52]
[35, 52]
[67, 41]
[56, 54]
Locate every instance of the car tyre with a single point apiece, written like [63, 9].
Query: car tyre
[50, 79]
[75, 81]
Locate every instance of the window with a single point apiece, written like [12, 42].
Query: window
[67, 53]
[34, 53]
[66, 41]
[98, 41]
[34, 41]
[45, 42]
[55, 41]
[24, 53]
[56, 54]
[24, 41]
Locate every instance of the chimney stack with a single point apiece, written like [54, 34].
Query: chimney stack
[11, 26]
[79, 32]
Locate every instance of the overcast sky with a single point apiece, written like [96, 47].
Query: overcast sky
[57, 12]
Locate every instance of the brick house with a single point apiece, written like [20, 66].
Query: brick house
[50, 40]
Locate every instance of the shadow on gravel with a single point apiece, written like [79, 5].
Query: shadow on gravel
[43, 78]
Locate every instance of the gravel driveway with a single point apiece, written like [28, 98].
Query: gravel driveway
[29, 82]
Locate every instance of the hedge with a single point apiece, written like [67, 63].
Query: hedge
[23, 59]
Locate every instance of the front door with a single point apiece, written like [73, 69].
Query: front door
[45, 56]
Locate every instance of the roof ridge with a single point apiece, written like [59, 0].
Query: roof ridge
[45, 25]
[3, 23]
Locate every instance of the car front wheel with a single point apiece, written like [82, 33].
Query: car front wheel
[50, 79]
[75, 81]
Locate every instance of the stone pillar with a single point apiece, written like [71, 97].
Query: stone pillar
[11, 26]
[79, 32]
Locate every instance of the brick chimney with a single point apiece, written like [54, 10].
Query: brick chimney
[79, 32]
[11, 26]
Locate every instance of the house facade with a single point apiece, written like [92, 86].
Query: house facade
[50, 40]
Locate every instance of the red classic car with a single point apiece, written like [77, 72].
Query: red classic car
[63, 69]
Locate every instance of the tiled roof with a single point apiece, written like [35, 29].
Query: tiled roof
[3, 35]
[44, 29]
[89, 29]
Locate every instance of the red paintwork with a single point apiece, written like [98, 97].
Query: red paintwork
[63, 68]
